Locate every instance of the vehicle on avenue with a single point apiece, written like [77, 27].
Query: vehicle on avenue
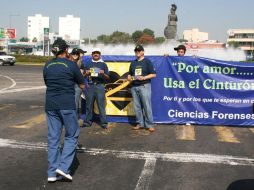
[6, 59]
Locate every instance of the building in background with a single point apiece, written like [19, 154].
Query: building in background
[242, 38]
[194, 35]
[69, 29]
[35, 27]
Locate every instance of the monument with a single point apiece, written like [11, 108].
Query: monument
[171, 29]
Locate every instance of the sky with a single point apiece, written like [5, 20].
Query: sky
[106, 16]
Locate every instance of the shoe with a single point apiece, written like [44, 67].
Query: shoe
[137, 127]
[65, 176]
[54, 179]
[105, 126]
[81, 122]
[151, 129]
[86, 124]
[188, 124]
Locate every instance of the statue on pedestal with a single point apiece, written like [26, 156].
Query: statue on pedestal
[171, 29]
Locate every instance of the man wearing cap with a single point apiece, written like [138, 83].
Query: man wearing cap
[77, 57]
[97, 74]
[181, 50]
[141, 72]
[60, 75]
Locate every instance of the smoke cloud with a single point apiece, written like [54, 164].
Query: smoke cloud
[227, 54]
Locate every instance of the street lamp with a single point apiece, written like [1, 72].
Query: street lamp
[10, 17]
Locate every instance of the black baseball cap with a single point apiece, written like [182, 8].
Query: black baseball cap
[75, 51]
[59, 46]
[82, 51]
[139, 48]
[180, 47]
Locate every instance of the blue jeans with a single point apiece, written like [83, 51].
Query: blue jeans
[142, 104]
[78, 92]
[96, 92]
[56, 120]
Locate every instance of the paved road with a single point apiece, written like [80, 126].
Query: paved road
[175, 157]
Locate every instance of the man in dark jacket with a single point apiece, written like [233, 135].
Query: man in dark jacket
[60, 76]
[141, 72]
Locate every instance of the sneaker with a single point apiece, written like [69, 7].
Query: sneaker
[188, 124]
[65, 176]
[137, 127]
[151, 129]
[54, 179]
[105, 126]
[86, 124]
[81, 122]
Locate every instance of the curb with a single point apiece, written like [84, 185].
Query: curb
[30, 64]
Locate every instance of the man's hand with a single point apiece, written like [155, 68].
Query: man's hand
[141, 78]
[129, 78]
[88, 72]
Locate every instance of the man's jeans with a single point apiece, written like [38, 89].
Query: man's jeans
[56, 120]
[96, 92]
[142, 104]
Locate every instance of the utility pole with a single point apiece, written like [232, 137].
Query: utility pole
[10, 26]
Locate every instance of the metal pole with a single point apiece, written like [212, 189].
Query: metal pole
[43, 50]
[48, 48]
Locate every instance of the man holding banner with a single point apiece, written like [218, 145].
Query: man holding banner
[141, 72]
[181, 50]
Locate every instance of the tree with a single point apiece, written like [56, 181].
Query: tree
[159, 40]
[146, 36]
[35, 39]
[146, 39]
[120, 38]
[148, 32]
[93, 41]
[233, 44]
[86, 40]
[103, 39]
[182, 40]
[24, 39]
[136, 35]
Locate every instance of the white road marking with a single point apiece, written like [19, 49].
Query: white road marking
[146, 175]
[11, 79]
[151, 158]
[33, 82]
[169, 157]
[22, 89]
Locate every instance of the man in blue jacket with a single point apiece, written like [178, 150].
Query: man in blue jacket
[60, 76]
[97, 74]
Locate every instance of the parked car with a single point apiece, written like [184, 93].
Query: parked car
[6, 59]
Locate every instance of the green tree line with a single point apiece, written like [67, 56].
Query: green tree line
[146, 36]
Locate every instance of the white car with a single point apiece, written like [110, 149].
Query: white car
[6, 59]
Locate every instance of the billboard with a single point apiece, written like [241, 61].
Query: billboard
[9, 33]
